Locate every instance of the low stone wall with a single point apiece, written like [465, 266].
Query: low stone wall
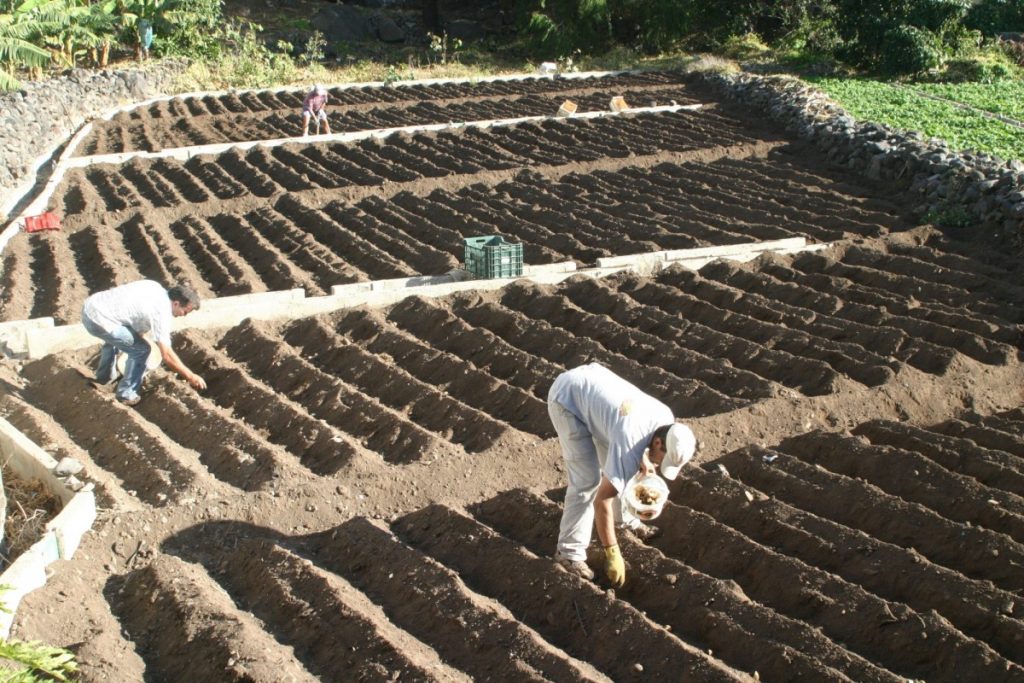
[977, 187]
[43, 114]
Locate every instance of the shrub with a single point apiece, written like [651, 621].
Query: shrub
[908, 50]
[554, 28]
[992, 17]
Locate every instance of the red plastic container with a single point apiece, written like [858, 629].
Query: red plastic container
[44, 221]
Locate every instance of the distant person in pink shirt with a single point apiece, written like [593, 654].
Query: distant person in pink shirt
[315, 107]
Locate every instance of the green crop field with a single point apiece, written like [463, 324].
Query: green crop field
[904, 109]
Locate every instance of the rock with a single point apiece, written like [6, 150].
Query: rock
[343, 23]
[67, 467]
[387, 30]
[465, 30]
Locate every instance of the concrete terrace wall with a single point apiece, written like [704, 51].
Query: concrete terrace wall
[40, 117]
[989, 190]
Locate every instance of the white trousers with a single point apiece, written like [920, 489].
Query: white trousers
[584, 458]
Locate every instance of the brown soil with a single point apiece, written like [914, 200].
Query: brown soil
[375, 493]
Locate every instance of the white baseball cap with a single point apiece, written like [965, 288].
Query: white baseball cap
[680, 445]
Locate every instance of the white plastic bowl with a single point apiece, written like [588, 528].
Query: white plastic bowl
[152, 362]
[645, 487]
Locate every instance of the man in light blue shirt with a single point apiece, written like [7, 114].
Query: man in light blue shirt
[608, 430]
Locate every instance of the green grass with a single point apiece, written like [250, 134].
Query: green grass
[1002, 97]
[902, 109]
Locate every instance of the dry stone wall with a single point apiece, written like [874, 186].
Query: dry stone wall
[42, 114]
[977, 187]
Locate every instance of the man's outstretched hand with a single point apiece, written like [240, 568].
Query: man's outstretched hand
[614, 565]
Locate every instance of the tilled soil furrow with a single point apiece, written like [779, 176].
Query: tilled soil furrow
[114, 193]
[978, 553]
[154, 190]
[183, 181]
[993, 468]
[274, 267]
[95, 260]
[913, 477]
[998, 292]
[414, 250]
[429, 600]
[361, 253]
[713, 224]
[542, 217]
[1010, 422]
[684, 395]
[902, 285]
[959, 256]
[38, 425]
[849, 359]
[314, 172]
[149, 464]
[216, 262]
[441, 329]
[564, 309]
[893, 573]
[317, 446]
[709, 198]
[363, 164]
[923, 319]
[319, 262]
[146, 260]
[908, 643]
[569, 612]
[59, 291]
[225, 643]
[336, 632]
[714, 614]
[459, 378]
[361, 170]
[424, 404]
[763, 182]
[392, 150]
[219, 182]
[409, 213]
[923, 336]
[235, 164]
[540, 245]
[289, 178]
[17, 292]
[279, 366]
[973, 428]
[809, 376]
[779, 173]
[708, 285]
[163, 257]
[615, 224]
[226, 447]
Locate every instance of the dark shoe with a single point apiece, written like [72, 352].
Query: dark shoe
[643, 532]
[134, 401]
[577, 567]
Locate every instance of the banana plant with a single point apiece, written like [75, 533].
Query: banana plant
[18, 51]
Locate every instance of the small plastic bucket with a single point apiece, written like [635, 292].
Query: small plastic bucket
[645, 496]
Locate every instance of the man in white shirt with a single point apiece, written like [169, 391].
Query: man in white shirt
[609, 430]
[120, 316]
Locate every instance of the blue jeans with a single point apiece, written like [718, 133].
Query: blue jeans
[123, 339]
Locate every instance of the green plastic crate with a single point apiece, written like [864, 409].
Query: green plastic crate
[491, 256]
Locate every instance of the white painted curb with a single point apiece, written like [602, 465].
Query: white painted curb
[63, 534]
[290, 304]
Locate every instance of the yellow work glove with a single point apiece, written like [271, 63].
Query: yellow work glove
[614, 566]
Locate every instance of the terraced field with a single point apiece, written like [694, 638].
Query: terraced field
[374, 493]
